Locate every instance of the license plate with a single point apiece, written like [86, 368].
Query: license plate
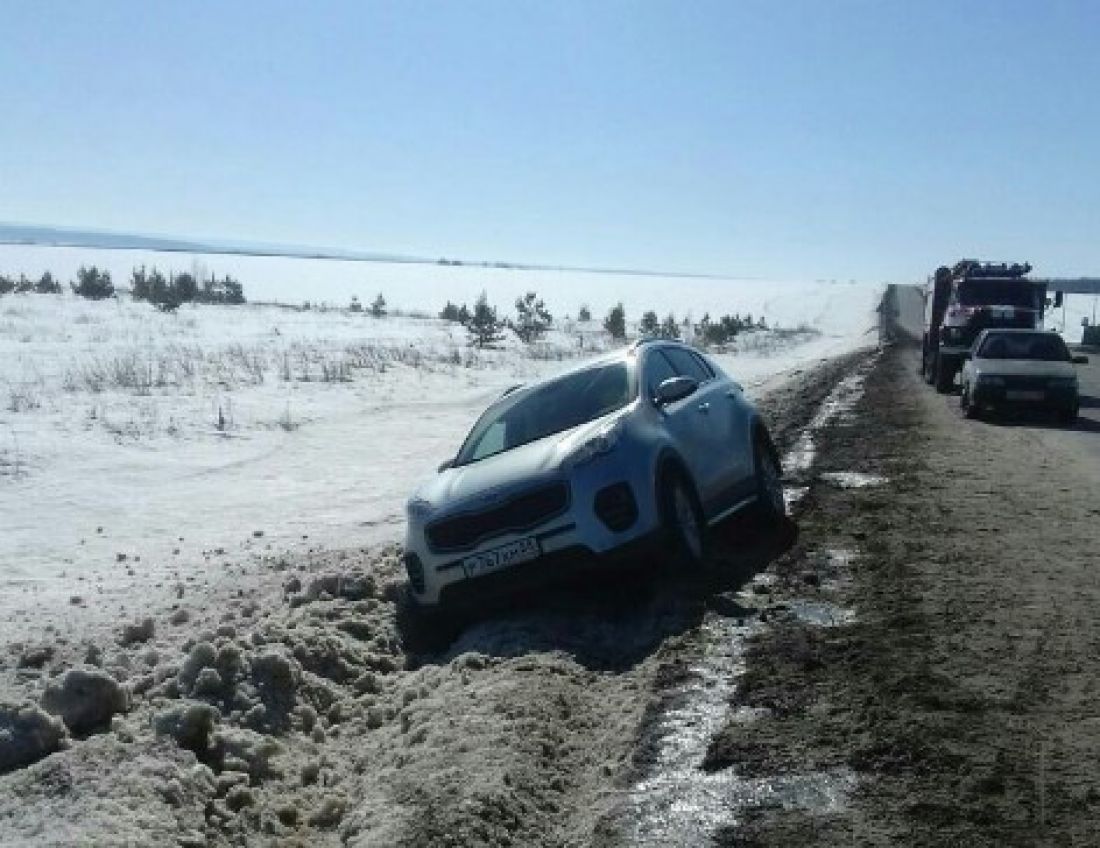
[1023, 395]
[522, 550]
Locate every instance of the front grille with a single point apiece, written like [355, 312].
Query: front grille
[616, 507]
[518, 513]
[1024, 383]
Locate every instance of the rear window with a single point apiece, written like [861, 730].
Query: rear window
[1043, 347]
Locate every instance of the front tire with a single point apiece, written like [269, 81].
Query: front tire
[1068, 417]
[769, 483]
[682, 522]
[969, 409]
[945, 376]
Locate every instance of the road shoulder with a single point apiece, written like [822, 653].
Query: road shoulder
[962, 693]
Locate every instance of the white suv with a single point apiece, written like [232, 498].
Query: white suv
[652, 444]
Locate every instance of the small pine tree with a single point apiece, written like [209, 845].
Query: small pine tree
[669, 328]
[615, 322]
[93, 283]
[584, 313]
[24, 285]
[484, 326]
[378, 308]
[532, 318]
[650, 324]
[449, 312]
[139, 284]
[7, 285]
[185, 288]
[464, 315]
[356, 306]
[47, 284]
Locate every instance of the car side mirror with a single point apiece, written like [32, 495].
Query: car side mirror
[443, 466]
[1080, 360]
[674, 389]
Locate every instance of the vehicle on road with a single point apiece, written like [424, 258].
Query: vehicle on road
[646, 447]
[970, 297]
[1020, 369]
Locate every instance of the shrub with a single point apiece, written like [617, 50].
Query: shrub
[7, 285]
[93, 283]
[584, 313]
[47, 284]
[378, 307]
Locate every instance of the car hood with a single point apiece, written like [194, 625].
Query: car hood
[1023, 368]
[514, 469]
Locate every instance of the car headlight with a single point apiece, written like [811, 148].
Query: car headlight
[991, 380]
[601, 443]
[418, 508]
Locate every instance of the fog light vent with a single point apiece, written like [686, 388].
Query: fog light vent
[616, 507]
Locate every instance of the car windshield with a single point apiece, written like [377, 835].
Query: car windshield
[1041, 346]
[547, 409]
[998, 293]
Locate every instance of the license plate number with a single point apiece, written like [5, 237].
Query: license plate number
[522, 550]
[1023, 395]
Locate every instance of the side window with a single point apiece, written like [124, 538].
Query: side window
[688, 364]
[704, 365]
[658, 369]
[491, 441]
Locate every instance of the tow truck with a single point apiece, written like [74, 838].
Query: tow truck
[969, 297]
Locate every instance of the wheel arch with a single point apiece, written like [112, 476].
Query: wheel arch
[759, 434]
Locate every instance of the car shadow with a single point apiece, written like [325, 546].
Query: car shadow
[1047, 421]
[606, 619]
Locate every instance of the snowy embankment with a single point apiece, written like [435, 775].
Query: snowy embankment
[137, 447]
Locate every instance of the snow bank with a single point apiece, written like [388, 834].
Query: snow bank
[138, 448]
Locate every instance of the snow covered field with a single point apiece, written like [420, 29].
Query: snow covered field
[137, 446]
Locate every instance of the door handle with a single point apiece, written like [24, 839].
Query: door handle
[704, 407]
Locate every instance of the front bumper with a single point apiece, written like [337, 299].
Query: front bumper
[1062, 399]
[577, 537]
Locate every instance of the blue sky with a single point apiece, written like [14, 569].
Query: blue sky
[866, 140]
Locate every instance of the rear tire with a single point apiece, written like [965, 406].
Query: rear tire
[926, 367]
[682, 522]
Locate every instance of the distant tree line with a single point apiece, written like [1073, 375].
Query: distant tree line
[166, 293]
[725, 329]
[22, 284]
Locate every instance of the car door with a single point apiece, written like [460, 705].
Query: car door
[701, 427]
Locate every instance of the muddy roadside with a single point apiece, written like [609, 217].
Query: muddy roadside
[959, 682]
[280, 705]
